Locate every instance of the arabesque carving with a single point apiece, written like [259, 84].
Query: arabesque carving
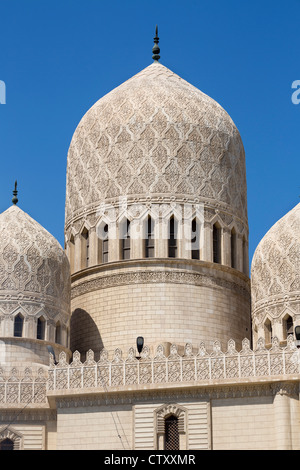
[197, 367]
[34, 270]
[155, 135]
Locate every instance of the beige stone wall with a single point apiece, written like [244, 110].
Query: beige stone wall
[15, 351]
[234, 417]
[51, 435]
[259, 418]
[243, 423]
[163, 301]
[93, 428]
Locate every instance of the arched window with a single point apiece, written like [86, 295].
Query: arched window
[288, 326]
[58, 333]
[171, 433]
[195, 239]
[172, 238]
[85, 248]
[171, 425]
[216, 244]
[149, 239]
[125, 254]
[268, 331]
[41, 328]
[18, 325]
[233, 249]
[7, 444]
[105, 245]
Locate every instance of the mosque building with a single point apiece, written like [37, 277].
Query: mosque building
[146, 332]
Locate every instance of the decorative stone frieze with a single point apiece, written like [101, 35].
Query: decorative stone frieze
[190, 368]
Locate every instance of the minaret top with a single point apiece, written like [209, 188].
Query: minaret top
[156, 49]
[15, 193]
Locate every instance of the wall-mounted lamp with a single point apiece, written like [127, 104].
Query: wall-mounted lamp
[139, 345]
[297, 335]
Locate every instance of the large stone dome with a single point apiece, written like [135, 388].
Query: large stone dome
[158, 145]
[34, 284]
[275, 271]
[156, 136]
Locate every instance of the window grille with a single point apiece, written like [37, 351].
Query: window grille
[171, 433]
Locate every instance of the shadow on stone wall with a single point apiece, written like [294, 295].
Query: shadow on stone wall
[84, 334]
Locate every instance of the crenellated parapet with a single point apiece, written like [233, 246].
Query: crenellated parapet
[200, 368]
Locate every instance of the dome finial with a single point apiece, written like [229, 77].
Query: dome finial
[15, 193]
[156, 49]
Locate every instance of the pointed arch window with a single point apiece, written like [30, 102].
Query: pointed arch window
[268, 331]
[10, 439]
[171, 433]
[85, 248]
[126, 240]
[288, 326]
[233, 249]
[18, 325]
[58, 333]
[149, 239]
[41, 328]
[105, 245]
[171, 425]
[7, 444]
[172, 238]
[216, 243]
[195, 239]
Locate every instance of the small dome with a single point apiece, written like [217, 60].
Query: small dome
[275, 270]
[34, 271]
[156, 136]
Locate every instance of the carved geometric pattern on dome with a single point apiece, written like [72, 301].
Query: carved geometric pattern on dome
[276, 265]
[155, 115]
[33, 267]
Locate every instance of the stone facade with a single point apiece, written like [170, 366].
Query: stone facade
[223, 400]
[156, 242]
[149, 298]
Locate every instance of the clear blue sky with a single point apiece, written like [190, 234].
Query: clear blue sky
[59, 57]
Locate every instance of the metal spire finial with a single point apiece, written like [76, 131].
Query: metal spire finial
[156, 49]
[15, 193]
